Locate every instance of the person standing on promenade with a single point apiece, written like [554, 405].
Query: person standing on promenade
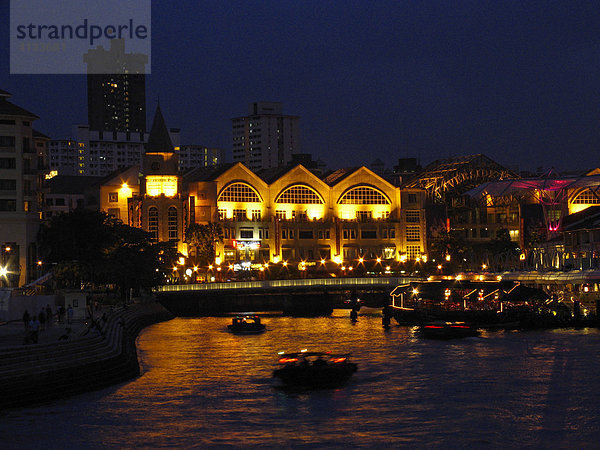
[69, 314]
[34, 326]
[49, 315]
[26, 319]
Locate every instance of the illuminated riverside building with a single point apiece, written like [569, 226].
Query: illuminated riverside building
[280, 214]
[22, 192]
[276, 215]
[293, 215]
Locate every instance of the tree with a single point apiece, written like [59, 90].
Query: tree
[203, 239]
[449, 243]
[92, 247]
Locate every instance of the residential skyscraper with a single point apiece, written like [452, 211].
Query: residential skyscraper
[116, 88]
[265, 138]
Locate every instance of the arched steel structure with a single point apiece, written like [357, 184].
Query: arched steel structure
[450, 178]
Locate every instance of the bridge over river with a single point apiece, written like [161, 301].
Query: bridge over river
[312, 296]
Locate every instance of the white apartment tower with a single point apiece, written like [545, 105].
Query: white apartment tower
[265, 138]
[22, 153]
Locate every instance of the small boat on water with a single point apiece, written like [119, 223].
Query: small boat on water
[314, 369]
[246, 325]
[448, 330]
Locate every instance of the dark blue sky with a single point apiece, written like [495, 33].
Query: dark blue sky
[516, 80]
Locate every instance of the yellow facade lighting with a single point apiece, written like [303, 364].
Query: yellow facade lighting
[161, 184]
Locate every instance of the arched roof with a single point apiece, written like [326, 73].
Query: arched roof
[299, 194]
[455, 176]
[363, 195]
[239, 191]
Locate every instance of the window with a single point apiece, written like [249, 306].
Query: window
[113, 197]
[413, 251]
[384, 233]
[284, 234]
[266, 233]
[292, 234]
[8, 205]
[364, 216]
[352, 234]
[413, 216]
[8, 185]
[246, 233]
[172, 223]
[256, 214]
[392, 233]
[587, 197]
[345, 234]
[368, 234]
[280, 214]
[153, 223]
[413, 233]
[299, 195]
[7, 141]
[320, 234]
[239, 215]
[305, 234]
[8, 163]
[364, 195]
[239, 192]
[222, 214]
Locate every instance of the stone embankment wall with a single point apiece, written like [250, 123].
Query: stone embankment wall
[35, 374]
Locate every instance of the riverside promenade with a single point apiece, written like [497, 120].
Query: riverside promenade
[91, 358]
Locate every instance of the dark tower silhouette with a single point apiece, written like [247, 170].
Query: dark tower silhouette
[116, 88]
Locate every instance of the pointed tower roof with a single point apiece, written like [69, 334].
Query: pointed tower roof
[159, 139]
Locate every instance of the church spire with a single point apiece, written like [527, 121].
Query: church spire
[159, 139]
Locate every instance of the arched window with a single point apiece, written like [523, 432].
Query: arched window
[172, 223]
[153, 223]
[239, 192]
[587, 197]
[302, 195]
[363, 195]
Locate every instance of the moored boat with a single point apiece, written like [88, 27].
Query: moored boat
[246, 325]
[314, 369]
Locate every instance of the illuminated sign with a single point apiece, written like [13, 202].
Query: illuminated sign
[243, 245]
[163, 184]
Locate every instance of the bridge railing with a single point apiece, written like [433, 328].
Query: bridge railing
[268, 284]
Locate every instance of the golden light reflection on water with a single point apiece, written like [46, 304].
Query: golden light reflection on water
[204, 387]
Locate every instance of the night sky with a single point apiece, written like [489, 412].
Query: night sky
[516, 80]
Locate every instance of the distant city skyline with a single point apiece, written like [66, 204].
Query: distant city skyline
[370, 80]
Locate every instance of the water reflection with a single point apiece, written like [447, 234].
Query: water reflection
[204, 387]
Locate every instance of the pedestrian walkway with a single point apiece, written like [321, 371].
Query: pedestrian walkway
[14, 333]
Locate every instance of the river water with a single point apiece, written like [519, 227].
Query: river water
[204, 387]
